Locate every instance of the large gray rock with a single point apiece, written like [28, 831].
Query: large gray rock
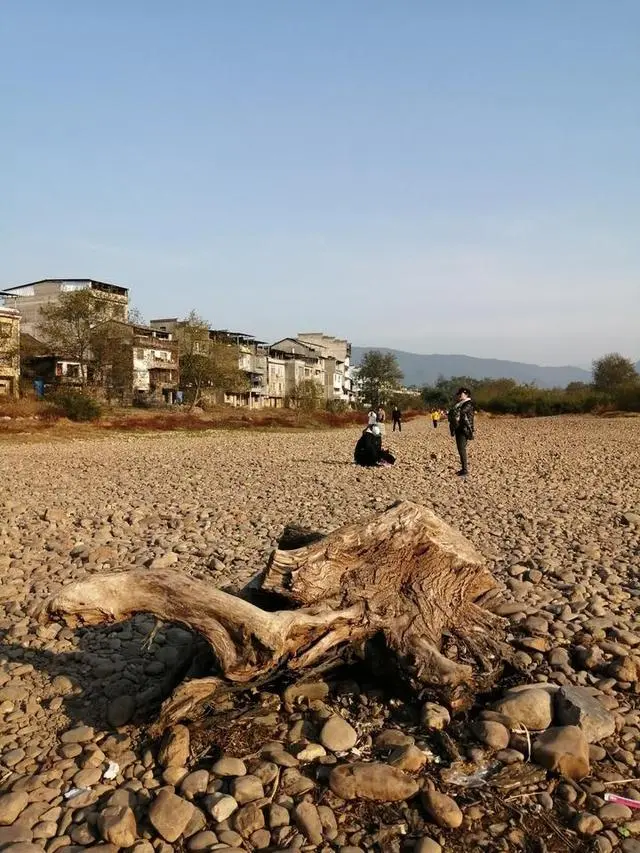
[576, 706]
[408, 758]
[81, 734]
[229, 766]
[117, 826]
[294, 784]
[587, 824]
[278, 816]
[170, 815]
[194, 783]
[11, 805]
[308, 822]
[390, 739]
[248, 819]
[16, 833]
[372, 781]
[613, 813]
[531, 708]
[563, 749]
[246, 789]
[221, 806]
[338, 735]
[493, 734]
[201, 841]
[442, 809]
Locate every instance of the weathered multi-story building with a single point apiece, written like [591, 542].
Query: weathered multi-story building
[45, 368]
[302, 363]
[276, 372]
[337, 356]
[29, 298]
[252, 362]
[276, 382]
[140, 363]
[265, 379]
[9, 352]
[127, 363]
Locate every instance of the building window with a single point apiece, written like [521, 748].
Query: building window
[73, 371]
[139, 354]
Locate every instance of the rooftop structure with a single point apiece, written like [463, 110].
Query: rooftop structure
[29, 298]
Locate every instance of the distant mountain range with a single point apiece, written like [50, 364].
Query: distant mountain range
[425, 369]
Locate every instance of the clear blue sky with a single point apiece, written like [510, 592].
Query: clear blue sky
[436, 176]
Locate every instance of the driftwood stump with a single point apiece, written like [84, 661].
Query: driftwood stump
[404, 574]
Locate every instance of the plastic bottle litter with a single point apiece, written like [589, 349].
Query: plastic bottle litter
[456, 775]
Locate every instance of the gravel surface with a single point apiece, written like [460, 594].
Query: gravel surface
[554, 505]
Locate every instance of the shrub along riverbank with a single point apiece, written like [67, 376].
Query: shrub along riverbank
[507, 397]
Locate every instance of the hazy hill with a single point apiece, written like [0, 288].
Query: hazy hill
[425, 369]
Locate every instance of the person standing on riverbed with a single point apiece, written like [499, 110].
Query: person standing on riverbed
[435, 417]
[461, 426]
[396, 417]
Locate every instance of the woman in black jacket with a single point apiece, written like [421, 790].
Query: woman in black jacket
[461, 426]
[368, 448]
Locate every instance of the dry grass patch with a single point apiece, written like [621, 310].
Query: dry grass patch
[22, 418]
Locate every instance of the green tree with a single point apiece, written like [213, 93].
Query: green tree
[612, 372]
[9, 346]
[67, 324]
[380, 375]
[443, 391]
[112, 359]
[307, 395]
[196, 367]
[226, 375]
[577, 387]
[135, 316]
[205, 363]
[406, 401]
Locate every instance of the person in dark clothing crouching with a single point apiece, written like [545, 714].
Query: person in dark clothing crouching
[461, 426]
[369, 452]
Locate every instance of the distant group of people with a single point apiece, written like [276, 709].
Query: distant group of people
[377, 417]
[370, 453]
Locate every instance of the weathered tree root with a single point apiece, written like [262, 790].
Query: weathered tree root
[404, 573]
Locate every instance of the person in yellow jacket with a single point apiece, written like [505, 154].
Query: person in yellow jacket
[435, 417]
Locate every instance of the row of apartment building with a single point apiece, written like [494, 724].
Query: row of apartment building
[274, 371]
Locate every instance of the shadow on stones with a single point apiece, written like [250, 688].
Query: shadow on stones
[102, 667]
[142, 657]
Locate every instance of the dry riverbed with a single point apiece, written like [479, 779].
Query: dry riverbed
[553, 504]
